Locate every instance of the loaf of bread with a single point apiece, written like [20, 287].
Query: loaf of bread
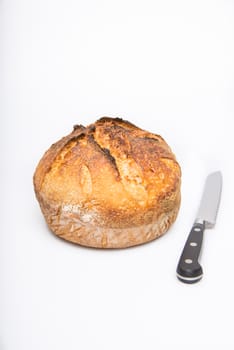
[109, 185]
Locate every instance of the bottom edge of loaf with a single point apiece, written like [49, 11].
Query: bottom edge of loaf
[103, 237]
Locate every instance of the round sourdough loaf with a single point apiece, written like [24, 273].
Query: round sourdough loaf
[109, 185]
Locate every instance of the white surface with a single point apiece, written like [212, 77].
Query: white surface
[166, 66]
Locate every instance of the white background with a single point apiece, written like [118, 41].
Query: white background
[166, 66]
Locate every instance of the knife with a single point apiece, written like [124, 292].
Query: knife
[189, 270]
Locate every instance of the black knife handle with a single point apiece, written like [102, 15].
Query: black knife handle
[189, 270]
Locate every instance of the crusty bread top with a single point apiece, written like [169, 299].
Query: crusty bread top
[122, 174]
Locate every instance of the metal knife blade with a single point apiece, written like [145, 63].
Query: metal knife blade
[209, 205]
[189, 270]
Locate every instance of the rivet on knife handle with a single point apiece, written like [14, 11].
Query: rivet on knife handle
[189, 270]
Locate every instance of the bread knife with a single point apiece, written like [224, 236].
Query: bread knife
[189, 270]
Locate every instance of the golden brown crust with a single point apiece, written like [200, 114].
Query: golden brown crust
[109, 185]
